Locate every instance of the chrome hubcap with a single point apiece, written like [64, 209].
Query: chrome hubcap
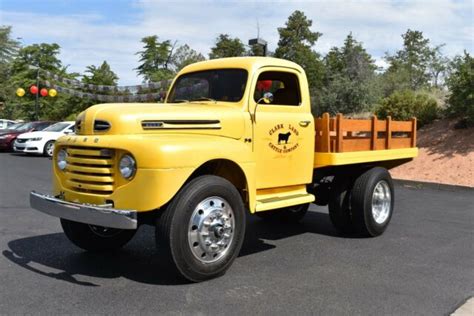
[50, 149]
[381, 202]
[211, 229]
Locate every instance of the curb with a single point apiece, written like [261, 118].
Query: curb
[432, 185]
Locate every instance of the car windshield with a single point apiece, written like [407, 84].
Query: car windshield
[226, 85]
[58, 127]
[25, 127]
[16, 126]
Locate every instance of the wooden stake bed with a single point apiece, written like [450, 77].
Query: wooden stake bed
[341, 141]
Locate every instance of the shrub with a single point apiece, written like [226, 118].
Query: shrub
[403, 105]
[461, 86]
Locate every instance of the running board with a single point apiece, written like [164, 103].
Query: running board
[275, 202]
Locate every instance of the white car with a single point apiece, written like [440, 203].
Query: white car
[42, 142]
[4, 124]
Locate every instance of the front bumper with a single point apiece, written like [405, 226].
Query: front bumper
[27, 147]
[84, 213]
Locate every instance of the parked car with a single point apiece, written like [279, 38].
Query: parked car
[6, 123]
[8, 136]
[42, 142]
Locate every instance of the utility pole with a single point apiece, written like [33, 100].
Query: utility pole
[37, 95]
[37, 68]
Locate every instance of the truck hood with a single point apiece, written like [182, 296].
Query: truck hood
[212, 118]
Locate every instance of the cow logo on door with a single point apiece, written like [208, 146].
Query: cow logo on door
[283, 138]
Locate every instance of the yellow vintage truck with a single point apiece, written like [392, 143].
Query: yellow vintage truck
[235, 137]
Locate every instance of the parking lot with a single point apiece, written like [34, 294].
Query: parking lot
[423, 264]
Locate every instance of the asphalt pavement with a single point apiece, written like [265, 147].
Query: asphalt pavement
[422, 265]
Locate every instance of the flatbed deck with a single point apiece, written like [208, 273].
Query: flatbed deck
[344, 141]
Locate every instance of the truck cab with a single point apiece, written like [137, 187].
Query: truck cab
[234, 137]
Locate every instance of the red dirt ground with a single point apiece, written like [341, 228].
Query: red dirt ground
[446, 155]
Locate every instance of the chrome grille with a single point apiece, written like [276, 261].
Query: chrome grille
[90, 170]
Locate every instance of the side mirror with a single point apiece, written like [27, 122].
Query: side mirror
[267, 98]
[68, 131]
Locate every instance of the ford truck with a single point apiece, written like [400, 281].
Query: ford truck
[234, 137]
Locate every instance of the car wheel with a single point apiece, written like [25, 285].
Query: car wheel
[201, 231]
[372, 201]
[339, 205]
[49, 148]
[96, 238]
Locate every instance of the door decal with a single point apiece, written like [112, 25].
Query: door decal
[284, 138]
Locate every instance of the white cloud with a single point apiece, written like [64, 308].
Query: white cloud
[90, 39]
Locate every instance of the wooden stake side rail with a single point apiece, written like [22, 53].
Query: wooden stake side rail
[339, 134]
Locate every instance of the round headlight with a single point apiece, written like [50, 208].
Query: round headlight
[61, 159]
[127, 166]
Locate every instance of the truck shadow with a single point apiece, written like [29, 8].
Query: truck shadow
[53, 256]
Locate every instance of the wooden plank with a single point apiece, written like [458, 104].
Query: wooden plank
[401, 143]
[388, 136]
[325, 147]
[357, 144]
[413, 132]
[399, 126]
[373, 143]
[382, 125]
[339, 145]
[356, 125]
[381, 143]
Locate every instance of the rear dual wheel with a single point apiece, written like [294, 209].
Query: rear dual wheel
[365, 205]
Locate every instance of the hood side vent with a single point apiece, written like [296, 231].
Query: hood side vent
[101, 126]
[181, 124]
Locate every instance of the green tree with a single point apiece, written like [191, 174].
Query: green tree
[295, 44]
[225, 46]
[184, 56]
[349, 81]
[8, 50]
[461, 86]
[155, 59]
[101, 75]
[409, 67]
[45, 56]
[403, 105]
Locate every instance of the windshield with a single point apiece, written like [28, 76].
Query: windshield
[58, 127]
[15, 126]
[226, 85]
[25, 127]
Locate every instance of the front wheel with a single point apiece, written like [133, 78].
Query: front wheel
[96, 238]
[202, 229]
[49, 148]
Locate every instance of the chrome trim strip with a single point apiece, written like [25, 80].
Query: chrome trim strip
[101, 215]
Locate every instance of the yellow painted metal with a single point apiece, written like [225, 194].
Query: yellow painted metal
[347, 158]
[269, 199]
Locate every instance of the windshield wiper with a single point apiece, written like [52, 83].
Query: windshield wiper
[180, 101]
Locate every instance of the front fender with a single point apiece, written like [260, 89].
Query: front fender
[164, 164]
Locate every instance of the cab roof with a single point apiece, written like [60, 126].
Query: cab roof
[248, 63]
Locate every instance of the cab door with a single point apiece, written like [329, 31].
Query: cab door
[283, 130]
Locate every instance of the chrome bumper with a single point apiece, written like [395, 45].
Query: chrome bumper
[84, 213]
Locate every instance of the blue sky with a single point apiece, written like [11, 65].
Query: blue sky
[92, 31]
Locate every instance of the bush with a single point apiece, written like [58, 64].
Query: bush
[403, 105]
[461, 87]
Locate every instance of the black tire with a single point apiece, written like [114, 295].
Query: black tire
[174, 227]
[362, 201]
[96, 238]
[290, 214]
[339, 205]
[46, 150]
